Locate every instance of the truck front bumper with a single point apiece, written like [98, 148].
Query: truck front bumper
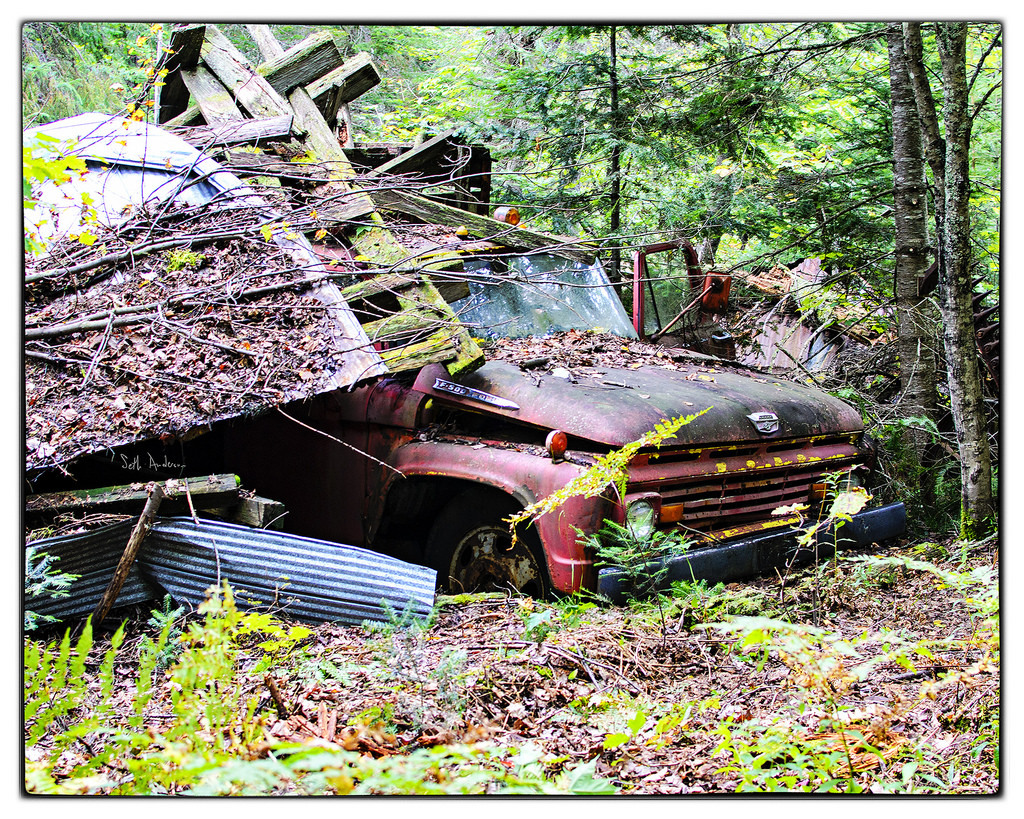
[752, 556]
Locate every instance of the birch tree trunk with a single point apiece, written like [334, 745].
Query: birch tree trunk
[948, 159]
[615, 161]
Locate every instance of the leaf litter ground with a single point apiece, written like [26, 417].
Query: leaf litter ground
[647, 697]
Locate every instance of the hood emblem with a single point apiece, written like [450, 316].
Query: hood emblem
[765, 422]
[475, 395]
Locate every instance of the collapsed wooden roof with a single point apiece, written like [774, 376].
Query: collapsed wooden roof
[343, 269]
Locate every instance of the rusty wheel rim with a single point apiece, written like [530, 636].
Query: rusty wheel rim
[485, 560]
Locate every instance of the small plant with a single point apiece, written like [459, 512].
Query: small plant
[182, 259]
[643, 559]
[166, 622]
[42, 578]
[697, 601]
[538, 622]
[573, 608]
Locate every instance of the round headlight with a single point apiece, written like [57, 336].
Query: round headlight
[641, 518]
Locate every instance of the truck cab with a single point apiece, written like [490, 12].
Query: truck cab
[430, 466]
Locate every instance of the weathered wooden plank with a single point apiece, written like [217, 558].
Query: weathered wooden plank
[440, 346]
[416, 158]
[483, 227]
[347, 82]
[182, 53]
[377, 243]
[394, 283]
[303, 63]
[213, 99]
[206, 492]
[154, 495]
[185, 47]
[404, 323]
[252, 91]
[242, 132]
[265, 40]
[190, 117]
[257, 512]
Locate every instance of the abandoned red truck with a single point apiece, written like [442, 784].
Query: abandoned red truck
[429, 466]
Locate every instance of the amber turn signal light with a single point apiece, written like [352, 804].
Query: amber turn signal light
[509, 215]
[557, 442]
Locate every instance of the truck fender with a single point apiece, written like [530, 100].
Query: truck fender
[526, 477]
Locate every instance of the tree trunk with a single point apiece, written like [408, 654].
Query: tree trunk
[934, 144]
[917, 330]
[615, 164]
[965, 388]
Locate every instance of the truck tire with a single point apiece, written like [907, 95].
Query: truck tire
[471, 548]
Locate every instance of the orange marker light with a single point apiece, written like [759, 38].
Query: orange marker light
[506, 214]
[557, 442]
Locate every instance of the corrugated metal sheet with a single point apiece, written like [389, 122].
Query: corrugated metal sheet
[299, 578]
[94, 556]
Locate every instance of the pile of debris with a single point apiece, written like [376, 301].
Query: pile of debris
[238, 260]
[313, 271]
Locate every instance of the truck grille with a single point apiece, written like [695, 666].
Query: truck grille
[725, 487]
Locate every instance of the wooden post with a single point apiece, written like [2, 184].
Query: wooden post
[139, 533]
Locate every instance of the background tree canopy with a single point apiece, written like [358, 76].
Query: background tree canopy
[771, 141]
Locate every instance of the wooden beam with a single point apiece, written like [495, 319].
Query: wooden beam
[213, 99]
[394, 283]
[190, 117]
[349, 81]
[251, 90]
[257, 512]
[415, 159]
[483, 227]
[206, 492]
[265, 41]
[182, 53]
[154, 495]
[243, 132]
[377, 243]
[303, 63]
[184, 49]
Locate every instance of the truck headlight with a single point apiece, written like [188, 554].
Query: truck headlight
[642, 518]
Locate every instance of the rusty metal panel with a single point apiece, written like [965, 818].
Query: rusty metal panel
[299, 578]
[624, 404]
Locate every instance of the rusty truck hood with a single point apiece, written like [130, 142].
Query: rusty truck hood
[620, 405]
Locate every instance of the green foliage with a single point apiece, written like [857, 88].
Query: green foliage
[166, 622]
[69, 68]
[834, 752]
[692, 602]
[48, 161]
[43, 578]
[182, 259]
[643, 560]
[537, 624]
[208, 746]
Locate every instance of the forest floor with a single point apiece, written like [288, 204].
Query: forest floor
[880, 677]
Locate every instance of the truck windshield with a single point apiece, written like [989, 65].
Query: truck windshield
[519, 296]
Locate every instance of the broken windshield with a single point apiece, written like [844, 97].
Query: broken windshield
[519, 296]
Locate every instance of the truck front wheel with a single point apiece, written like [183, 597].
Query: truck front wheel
[471, 547]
